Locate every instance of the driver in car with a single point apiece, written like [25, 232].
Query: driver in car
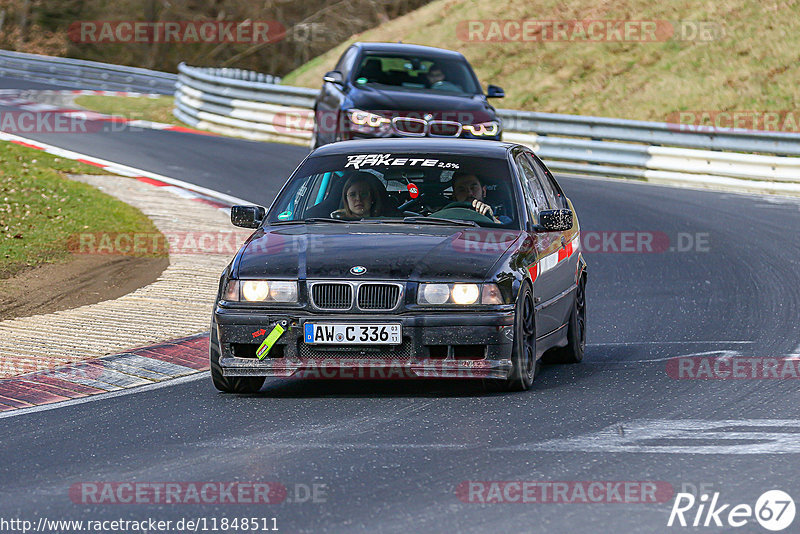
[467, 188]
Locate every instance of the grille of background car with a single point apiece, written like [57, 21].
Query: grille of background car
[414, 127]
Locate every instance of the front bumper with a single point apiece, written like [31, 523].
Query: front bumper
[474, 344]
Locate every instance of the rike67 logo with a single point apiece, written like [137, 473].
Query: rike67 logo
[774, 510]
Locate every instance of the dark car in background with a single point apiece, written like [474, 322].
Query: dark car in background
[435, 258]
[403, 90]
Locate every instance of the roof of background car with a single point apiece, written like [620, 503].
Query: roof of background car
[429, 51]
[406, 145]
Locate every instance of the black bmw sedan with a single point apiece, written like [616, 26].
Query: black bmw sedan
[402, 90]
[404, 259]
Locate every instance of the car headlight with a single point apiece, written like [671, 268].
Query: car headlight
[260, 291]
[459, 294]
[489, 129]
[365, 118]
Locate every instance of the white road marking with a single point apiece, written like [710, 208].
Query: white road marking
[668, 343]
[102, 396]
[688, 436]
[125, 170]
[723, 355]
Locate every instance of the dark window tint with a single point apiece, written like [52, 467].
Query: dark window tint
[534, 195]
[345, 64]
[551, 190]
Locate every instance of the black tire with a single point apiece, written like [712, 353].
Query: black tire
[229, 384]
[576, 333]
[523, 352]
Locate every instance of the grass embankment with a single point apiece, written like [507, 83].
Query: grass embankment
[40, 208]
[133, 108]
[752, 67]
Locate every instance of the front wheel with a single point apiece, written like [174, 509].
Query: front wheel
[523, 352]
[229, 384]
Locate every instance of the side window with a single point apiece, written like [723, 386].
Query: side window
[551, 190]
[345, 64]
[534, 195]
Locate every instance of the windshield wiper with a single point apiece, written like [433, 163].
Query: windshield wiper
[311, 220]
[440, 220]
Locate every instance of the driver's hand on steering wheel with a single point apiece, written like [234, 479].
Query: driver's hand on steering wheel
[483, 209]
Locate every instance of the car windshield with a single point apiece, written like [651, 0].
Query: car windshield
[417, 73]
[400, 188]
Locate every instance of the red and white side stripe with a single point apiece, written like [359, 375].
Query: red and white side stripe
[549, 262]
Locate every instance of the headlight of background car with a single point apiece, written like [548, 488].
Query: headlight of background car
[365, 118]
[261, 291]
[458, 294]
[489, 129]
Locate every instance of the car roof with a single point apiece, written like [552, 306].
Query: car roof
[403, 48]
[466, 147]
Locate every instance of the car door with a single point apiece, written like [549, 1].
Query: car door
[567, 244]
[545, 284]
[331, 98]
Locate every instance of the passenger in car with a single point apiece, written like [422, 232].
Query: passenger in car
[363, 195]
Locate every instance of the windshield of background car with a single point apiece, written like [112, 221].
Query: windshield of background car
[392, 187]
[417, 73]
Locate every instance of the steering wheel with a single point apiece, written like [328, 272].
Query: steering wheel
[459, 205]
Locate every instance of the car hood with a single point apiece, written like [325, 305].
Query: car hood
[405, 102]
[387, 251]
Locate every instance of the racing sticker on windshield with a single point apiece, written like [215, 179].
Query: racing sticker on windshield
[357, 161]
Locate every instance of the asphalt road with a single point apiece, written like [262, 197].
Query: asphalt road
[390, 455]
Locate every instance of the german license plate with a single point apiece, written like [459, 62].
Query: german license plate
[353, 334]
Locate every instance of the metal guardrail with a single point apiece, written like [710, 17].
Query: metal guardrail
[651, 133]
[86, 74]
[253, 105]
[246, 104]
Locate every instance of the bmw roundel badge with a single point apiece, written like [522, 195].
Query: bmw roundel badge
[358, 269]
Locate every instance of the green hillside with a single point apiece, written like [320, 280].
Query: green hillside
[752, 65]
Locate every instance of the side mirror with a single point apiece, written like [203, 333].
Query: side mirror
[247, 216]
[333, 76]
[493, 91]
[555, 220]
